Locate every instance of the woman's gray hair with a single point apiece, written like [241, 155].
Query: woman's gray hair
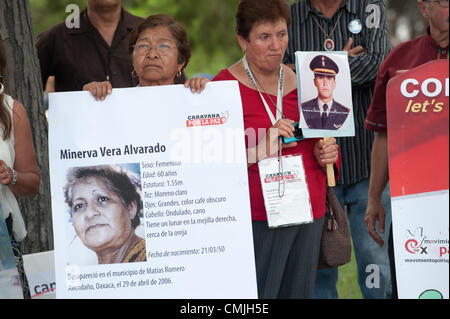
[127, 186]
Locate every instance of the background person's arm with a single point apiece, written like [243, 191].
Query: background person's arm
[364, 65]
[379, 177]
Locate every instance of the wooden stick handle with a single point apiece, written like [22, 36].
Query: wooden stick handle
[330, 172]
[330, 175]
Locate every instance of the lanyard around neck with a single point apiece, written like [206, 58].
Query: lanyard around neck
[279, 113]
[279, 106]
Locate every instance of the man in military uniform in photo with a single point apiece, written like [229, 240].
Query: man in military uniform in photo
[324, 112]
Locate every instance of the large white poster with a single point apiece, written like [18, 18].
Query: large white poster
[150, 194]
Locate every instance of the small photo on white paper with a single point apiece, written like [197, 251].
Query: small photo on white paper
[104, 214]
[325, 94]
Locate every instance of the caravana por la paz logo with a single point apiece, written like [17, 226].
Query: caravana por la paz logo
[276, 177]
[207, 119]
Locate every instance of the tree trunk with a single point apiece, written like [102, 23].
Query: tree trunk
[24, 84]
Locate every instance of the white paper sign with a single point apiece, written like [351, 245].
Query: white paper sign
[184, 155]
[40, 270]
[286, 194]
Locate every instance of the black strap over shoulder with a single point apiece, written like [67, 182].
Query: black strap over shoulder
[9, 223]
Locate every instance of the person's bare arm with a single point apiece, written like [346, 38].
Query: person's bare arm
[28, 176]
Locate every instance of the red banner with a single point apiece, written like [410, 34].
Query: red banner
[418, 129]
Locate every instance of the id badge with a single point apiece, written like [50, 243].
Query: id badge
[294, 206]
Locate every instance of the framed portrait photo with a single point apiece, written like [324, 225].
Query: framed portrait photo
[325, 94]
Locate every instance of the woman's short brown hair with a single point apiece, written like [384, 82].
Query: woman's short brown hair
[175, 28]
[250, 12]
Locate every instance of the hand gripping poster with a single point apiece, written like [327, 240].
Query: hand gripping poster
[418, 148]
[150, 194]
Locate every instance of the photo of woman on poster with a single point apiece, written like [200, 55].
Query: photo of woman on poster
[105, 205]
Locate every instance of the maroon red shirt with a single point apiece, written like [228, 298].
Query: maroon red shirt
[405, 56]
[256, 117]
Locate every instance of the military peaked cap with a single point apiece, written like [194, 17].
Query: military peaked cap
[323, 65]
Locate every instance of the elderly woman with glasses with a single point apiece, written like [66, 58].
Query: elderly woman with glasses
[159, 51]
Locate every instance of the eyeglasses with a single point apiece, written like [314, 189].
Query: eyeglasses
[144, 48]
[442, 3]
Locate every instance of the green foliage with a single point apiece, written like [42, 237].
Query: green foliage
[210, 25]
[46, 13]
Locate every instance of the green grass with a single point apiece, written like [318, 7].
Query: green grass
[348, 287]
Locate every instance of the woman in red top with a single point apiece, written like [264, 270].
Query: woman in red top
[286, 258]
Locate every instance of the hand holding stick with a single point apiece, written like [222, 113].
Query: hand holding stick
[326, 152]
